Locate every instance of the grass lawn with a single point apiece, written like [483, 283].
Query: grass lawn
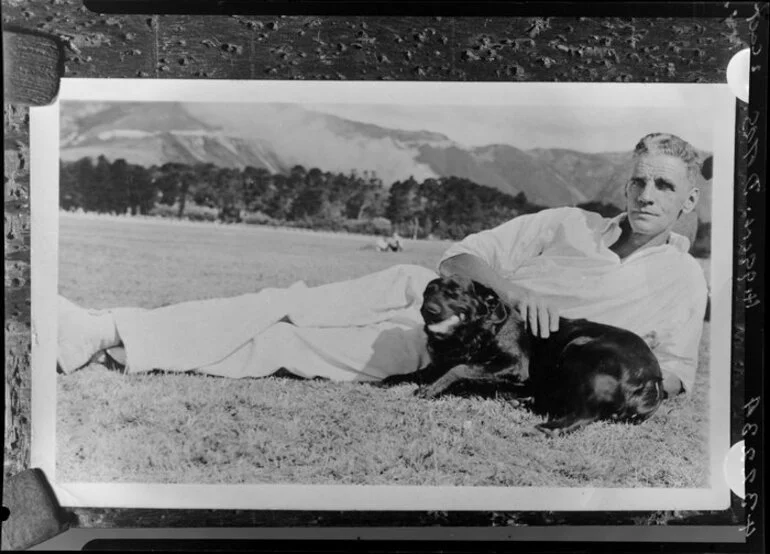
[187, 428]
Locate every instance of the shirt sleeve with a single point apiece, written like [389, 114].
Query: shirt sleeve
[677, 351]
[506, 246]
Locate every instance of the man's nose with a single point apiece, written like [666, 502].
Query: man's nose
[646, 192]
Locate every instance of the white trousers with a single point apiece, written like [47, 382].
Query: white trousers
[356, 330]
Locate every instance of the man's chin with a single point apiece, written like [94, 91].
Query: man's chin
[645, 224]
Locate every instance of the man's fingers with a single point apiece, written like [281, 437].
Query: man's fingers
[553, 315]
[541, 318]
[532, 317]
[542, 314]
[522, 308]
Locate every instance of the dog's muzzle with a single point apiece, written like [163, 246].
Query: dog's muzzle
[431, 312]
[444, 327]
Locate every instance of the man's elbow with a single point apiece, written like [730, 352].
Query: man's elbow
[452, 266]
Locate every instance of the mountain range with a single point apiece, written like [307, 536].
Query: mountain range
[279, 136]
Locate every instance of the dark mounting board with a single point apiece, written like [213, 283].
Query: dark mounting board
[658, 44]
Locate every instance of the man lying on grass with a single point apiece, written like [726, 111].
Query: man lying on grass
[631, 271]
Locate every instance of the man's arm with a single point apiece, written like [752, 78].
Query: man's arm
[678, 349]
[678, 357]
[475, 268]
[488, 256]
[543, 318]
[507, 246]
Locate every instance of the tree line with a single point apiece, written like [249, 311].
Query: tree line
[447, 207]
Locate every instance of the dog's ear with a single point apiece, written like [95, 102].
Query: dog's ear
[484, 291]
[498, 312]
[495, 309]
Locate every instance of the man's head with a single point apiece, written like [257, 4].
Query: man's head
[663, 183]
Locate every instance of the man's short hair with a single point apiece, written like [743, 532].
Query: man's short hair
[671, 145]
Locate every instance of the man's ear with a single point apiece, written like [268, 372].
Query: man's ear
[691, 200]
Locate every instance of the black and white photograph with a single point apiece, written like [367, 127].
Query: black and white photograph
[381, 295]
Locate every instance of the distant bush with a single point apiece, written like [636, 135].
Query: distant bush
[164, 210]
[319, 224]
[382, 225]
[258, 218]
[194, 212]
[377, 226]
[230, 214]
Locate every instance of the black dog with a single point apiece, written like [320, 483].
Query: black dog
[584, 372]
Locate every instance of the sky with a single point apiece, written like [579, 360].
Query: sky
[585, 129]
[592, 129]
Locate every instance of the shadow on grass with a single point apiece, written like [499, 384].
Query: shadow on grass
[518, 395]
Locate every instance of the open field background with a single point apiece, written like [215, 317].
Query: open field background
[186, 428]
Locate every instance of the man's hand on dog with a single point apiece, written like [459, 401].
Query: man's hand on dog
[542, 317]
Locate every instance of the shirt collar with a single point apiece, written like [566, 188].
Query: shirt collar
[612, 225]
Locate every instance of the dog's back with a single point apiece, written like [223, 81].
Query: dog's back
[588, 371]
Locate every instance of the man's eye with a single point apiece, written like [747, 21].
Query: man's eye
[663, 184]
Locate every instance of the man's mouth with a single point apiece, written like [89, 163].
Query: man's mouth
[645, 213]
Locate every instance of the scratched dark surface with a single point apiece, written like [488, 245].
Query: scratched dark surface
[651, 49]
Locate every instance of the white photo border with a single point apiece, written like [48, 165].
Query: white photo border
[44, 141]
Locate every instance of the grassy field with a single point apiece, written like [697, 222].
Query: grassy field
[186, 428]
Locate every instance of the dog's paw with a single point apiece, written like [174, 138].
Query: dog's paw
[426, 391]
[532, 431]
[519, 402]
[543, 429]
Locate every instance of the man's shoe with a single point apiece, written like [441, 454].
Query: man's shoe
[81, 335]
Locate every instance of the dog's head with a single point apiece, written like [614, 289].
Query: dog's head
[449, 302]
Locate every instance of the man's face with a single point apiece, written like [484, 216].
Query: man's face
[658, 192]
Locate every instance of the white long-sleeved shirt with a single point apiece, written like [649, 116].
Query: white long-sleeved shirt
[563, 255]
